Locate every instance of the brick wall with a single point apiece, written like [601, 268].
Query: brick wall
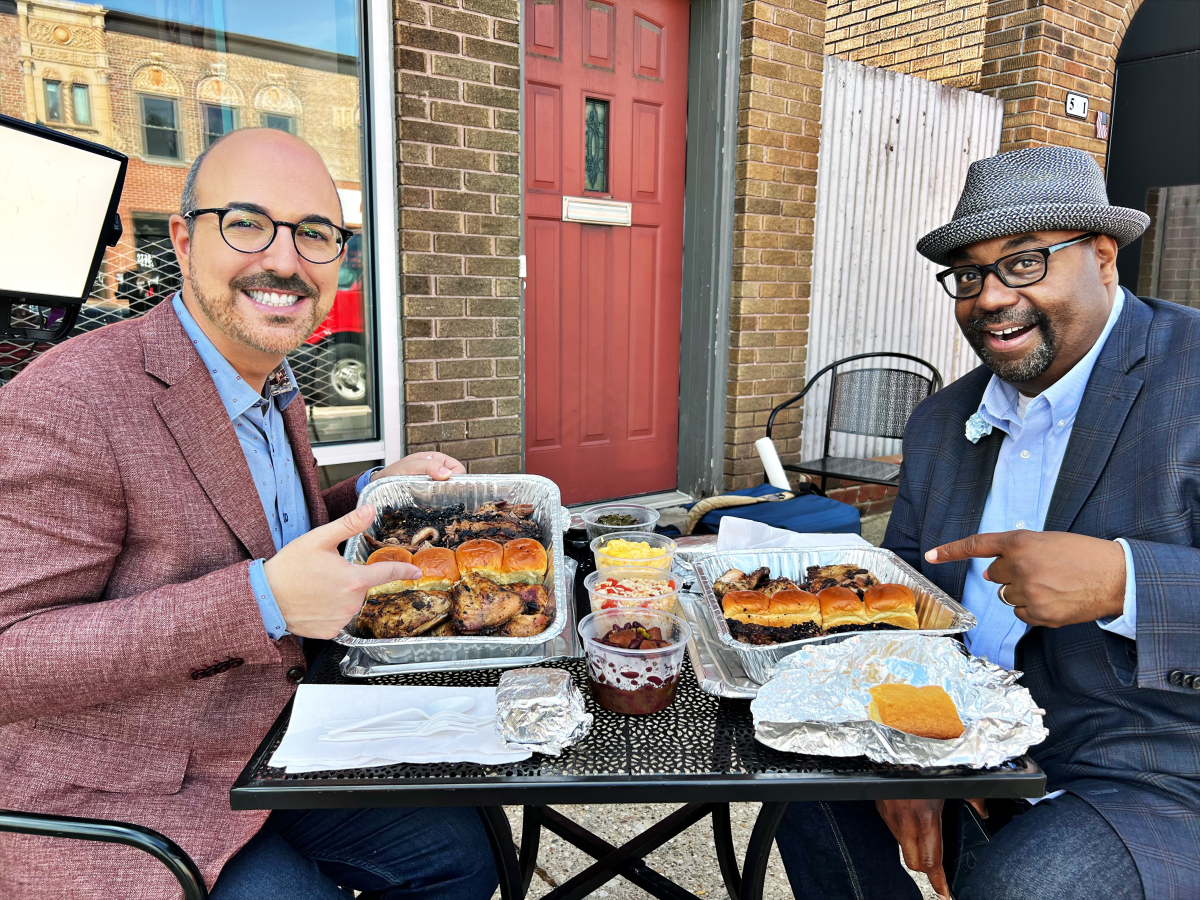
[1038, 50]
[940, 40]
[779, 123]
[459, 93]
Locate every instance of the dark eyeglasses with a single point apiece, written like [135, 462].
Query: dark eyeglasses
[1019, 269]
[249, 231]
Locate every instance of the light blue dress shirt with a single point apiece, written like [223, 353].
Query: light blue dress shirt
[258, 421]
[1037, 431]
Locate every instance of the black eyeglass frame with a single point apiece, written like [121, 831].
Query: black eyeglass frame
[223, 211]
[994, 268]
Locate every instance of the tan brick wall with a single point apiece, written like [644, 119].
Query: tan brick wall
[779, 124]
[1037, 51]
[459, 94]
[939, 40]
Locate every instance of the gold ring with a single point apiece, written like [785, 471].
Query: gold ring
[1003, 599]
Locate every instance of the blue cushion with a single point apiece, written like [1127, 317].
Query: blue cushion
[809, 513]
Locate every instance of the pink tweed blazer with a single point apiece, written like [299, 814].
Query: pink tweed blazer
[127, 520]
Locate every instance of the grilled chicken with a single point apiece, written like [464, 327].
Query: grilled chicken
[481, 606]
[737, 580]
[853, 577]
[403, 614]
[775, 585]
[536, 615]
[446, 629]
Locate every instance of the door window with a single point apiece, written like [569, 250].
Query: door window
[179, 76]
[595, 146]
[1170, 263]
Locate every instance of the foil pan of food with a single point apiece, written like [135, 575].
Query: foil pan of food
[719, 670]
[493, 591]
[764, 605]
[907, 700]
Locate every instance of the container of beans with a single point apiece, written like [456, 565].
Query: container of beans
[634, 658]
[632, 587]
[633, 548]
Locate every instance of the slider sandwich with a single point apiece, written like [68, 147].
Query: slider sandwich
[891, 606]
[482, 556]
[439, 572]
[841, 610]
[755, 618]
[524, 562]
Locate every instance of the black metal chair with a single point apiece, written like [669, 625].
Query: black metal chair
[159, 846]
[875, 402]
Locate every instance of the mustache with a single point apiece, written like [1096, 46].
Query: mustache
[977, 326]
[266, 281]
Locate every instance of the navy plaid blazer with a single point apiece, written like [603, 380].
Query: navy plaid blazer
[1123, 736]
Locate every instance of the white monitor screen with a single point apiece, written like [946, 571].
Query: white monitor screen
[54, 202]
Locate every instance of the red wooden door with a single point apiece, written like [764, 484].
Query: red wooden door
[602, 302]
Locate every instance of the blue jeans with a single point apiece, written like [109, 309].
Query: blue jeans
[1062, 849]
[320, 854]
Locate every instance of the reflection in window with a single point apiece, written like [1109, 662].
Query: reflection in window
[53, 101]
[179, 75]
[81, 104]
[1170, 263]
[218, 121]
[159, 127]
[281, 123]
[595, 146]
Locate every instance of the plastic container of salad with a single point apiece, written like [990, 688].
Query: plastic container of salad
[632, 587]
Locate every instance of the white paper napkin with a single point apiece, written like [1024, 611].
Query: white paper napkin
[743, 534]
[319, 705]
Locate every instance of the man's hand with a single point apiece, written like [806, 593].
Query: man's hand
[317, 591]
[1053, 578]
[917, 826]
[437, 466]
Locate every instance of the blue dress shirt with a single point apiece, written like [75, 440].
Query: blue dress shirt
[258, 421]
[1037, 431]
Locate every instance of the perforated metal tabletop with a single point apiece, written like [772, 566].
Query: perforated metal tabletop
[700, 748]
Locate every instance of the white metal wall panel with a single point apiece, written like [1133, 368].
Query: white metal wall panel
[894, 156]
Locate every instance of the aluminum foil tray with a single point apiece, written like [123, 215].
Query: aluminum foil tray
[440, 654]
[718, 669]
[938, 613]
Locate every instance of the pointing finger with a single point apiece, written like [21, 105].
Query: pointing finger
[982, 546]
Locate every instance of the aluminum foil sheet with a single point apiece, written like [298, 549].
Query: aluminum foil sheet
[937, 611]
[430, 654]
[816, 702]
[540, 710]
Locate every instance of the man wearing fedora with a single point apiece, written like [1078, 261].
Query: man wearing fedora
[1056, 489]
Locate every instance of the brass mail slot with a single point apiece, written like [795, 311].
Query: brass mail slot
[597, 212]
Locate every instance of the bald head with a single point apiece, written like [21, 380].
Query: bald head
[257, 148]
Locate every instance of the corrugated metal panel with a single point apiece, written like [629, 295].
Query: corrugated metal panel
[893, 160]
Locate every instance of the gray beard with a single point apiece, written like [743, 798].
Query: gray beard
[1034, 364]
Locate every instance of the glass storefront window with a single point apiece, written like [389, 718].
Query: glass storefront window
[160, 81]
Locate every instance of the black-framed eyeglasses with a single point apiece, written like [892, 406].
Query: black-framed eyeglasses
[1020, 269]
[250, 231]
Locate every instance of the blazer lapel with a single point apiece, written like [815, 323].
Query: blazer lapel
[295, 422]
[972, 483]
[1102, 412]
[192, 410]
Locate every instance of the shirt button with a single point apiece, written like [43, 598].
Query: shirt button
[1020, 524]
[285, 518]
[1024, 454]
[1062, 422]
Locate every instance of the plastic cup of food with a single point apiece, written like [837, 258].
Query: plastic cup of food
[633, 548]
[611, 518]
[632, 587]
[631, 680]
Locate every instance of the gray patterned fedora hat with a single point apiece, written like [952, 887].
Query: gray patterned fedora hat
[1039, 189]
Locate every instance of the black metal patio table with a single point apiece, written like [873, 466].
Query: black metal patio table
[700, 752]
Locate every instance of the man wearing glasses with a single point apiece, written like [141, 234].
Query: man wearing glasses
[169, 544]
[1056, 489]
